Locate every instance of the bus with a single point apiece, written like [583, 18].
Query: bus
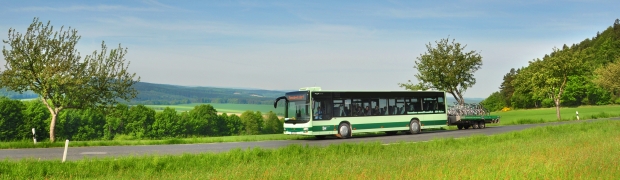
[312, 111]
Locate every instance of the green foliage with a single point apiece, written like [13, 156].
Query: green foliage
[167, 124]
[47, 63]
[36, 116]
[252, 122]
[203, 119]
[494, 102]
[234, 124]
[273, 125]
[447, 67]
[11, 118]
[140, 121]
[608, 77]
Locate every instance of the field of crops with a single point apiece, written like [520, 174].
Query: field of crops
[225, 108]
[574, 151]
[529, 116]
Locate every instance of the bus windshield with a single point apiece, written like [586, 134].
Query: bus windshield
[298, 111]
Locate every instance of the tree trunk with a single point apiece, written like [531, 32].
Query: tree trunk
[557, 108]
[52, 126]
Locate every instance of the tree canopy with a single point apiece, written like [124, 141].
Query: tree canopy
[447, 67]
[47, 63]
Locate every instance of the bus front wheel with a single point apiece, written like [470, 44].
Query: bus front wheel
[414, 127]
[344, 130]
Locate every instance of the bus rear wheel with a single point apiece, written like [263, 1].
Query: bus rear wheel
[414, 127]
[344, 130]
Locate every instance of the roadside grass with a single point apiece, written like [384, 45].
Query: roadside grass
[586, 150]
[532, 116]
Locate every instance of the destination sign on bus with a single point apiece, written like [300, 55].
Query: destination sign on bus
[297, 97]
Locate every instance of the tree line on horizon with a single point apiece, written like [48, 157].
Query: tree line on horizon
[586, 73]
[124, 122]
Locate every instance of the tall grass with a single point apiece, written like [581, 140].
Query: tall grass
[543, 115]
[573, 151]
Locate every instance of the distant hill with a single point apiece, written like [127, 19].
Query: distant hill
[16, 95]
[166, 94]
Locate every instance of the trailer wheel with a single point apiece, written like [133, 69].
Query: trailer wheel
[459, 126]
[466, 126]
[482, 125]
[414, 127]
[344, 130]
[474, 125]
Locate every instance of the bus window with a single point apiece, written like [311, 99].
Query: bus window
[430, 105]
[441, 105]
[339, 108]
[391, 105]
[382, 106]
[322, 109]
[400, 106]
[357, 107]
[347, 107]
[366, 107]
[374, 105]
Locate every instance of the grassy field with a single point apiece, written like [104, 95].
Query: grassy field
[574, 151]
[530, 116]
[224, 108]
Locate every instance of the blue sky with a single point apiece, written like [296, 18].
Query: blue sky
[284, 45]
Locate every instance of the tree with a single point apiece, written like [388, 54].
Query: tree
[446, 67]
[140, 121]
[47, 63]
[272, 124]
[11, 118]
[551, 76]
[506, 88]
[167, 123]
[203, 119]
[608, 77]
[252, 122]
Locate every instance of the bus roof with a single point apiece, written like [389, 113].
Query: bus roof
[318, 89]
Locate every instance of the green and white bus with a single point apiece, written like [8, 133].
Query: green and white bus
[312, 111]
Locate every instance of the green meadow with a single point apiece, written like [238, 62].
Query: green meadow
[585, 150]
[531, 116]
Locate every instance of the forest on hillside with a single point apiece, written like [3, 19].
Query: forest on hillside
[568, 76]
[164, 94]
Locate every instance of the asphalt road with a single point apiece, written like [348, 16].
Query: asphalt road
[76, 153]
